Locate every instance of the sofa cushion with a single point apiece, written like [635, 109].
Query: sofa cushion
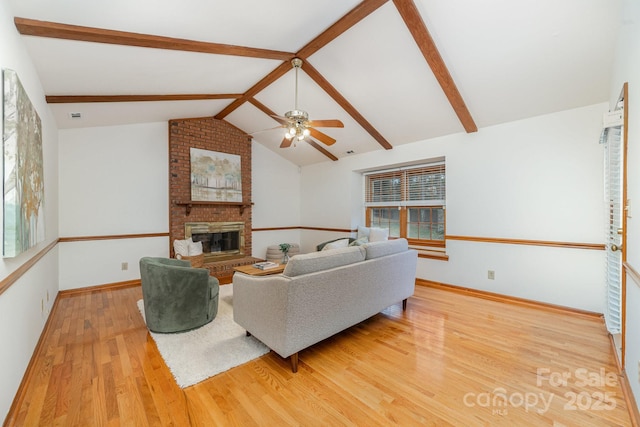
[384, 248]
[323, 260]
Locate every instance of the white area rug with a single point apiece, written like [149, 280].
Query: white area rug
[216, 347]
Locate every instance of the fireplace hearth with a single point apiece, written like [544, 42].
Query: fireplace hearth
[220, 240]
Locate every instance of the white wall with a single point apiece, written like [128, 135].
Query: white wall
[276, 199]
[113, 181]
[627, 69]
[536, 179]
[22, 317]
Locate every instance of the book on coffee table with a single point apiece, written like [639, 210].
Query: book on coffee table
[266, 265]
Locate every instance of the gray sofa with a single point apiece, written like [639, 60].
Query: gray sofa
[322, 293]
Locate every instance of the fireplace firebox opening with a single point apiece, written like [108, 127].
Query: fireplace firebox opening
[220, 240]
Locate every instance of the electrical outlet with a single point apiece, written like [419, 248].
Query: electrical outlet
[491, 275]
[125, 266]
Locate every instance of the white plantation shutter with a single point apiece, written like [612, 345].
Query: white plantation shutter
[612, 139]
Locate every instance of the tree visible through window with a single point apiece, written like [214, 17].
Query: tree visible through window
[409, 202]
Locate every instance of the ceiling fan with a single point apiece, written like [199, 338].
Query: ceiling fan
[297, 122]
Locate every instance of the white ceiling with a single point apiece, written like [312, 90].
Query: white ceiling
[510, 59]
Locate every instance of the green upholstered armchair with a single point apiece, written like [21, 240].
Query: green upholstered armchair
[176, 296]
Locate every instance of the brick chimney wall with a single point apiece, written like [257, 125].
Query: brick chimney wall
[211, 134]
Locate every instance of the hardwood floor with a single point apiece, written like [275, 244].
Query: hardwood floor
[449, 360]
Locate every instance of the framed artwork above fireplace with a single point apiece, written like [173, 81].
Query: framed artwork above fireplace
[215, 176]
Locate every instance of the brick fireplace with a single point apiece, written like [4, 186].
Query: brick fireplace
[208, 133]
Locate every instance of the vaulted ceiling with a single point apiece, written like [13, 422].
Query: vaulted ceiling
[393, 71]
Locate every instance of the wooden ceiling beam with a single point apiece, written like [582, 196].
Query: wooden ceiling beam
[354, 16]
[342, 101]
[269, 112]
[32, 27]
[280, 71]
[260, 106]
[79, 99]
[418, 29]
[321, 149]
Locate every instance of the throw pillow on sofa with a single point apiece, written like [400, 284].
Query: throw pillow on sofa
[373, 234]
[378, 234]
[359, 242]
[362, 232]
[342, 243]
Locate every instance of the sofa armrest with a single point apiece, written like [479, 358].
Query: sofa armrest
[260, 306]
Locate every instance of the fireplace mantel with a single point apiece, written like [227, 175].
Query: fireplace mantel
[189, 205]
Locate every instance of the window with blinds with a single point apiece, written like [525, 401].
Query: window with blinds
[409, 202]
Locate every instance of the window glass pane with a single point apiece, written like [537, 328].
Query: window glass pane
[425, 231]
[438, 232]
[394, 229]
[425, 215]
[412, 231]
[438, 215]
[388, 218]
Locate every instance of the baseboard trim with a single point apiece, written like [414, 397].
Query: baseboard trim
[99, 288]
[511, 300]
[626, 387]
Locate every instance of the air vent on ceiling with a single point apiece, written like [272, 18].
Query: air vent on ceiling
[75, 115]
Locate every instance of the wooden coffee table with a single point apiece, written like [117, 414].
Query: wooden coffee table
[251, 270]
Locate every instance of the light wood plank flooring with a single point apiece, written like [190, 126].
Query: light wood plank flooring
[449, 360]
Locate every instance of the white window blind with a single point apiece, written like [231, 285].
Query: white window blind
[423, 185]
[612, 139]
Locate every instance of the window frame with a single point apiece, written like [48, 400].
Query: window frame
[404, 204]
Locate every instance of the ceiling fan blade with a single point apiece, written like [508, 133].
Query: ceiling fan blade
[322, 137]
[286, 143]
[326, 123]
[282, 120]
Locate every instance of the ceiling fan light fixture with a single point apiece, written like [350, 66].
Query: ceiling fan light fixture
[297, 124]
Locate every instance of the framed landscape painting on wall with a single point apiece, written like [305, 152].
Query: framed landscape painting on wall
[215, 176]
[23, 201]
